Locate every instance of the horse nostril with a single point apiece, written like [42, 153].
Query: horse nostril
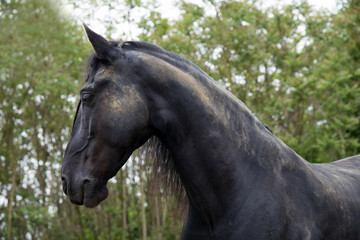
[64, 184]
[86, 181]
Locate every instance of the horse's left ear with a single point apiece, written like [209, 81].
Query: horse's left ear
[102, 47]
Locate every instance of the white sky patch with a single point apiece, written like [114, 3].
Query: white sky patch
[305, 41]
[169, 10]
[239, 79]
[321, 122]
[3, 199]
[330, 5]
[216, 54]
[276, 83]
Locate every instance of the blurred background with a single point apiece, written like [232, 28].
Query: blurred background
[295, 64]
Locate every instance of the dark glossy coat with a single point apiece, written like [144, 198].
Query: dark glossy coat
[241, 181]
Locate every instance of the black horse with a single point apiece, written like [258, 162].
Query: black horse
[241, 181]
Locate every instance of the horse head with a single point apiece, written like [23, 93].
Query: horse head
[110, 123]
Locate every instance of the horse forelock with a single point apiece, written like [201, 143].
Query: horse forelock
[93, 66]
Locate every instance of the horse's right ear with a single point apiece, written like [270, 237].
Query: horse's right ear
[103, 48]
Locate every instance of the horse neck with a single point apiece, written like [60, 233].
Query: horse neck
[218, 146]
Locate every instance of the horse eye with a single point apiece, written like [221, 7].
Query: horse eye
[87, 98]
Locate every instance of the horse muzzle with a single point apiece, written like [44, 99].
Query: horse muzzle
[85, 191]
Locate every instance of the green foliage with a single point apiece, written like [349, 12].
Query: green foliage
[41, 54]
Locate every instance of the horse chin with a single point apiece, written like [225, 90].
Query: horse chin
[93, 197]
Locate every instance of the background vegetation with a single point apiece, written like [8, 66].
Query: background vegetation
[296, 68]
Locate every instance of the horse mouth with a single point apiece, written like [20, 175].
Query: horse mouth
[90, 195]
[91, 199]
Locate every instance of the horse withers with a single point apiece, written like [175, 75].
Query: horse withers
[240, 180]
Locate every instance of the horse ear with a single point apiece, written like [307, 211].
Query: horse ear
[102, 47]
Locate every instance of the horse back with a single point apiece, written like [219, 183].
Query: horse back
[347, 168]
[337, 194]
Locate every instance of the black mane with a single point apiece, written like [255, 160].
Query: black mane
[153, 50]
